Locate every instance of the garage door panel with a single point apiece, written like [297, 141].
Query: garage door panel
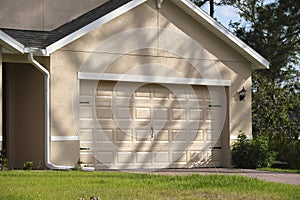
[86, 112]
[143, 135]
[143, 94]
[105, 157]
[178, 114]
[197, 135]
[104, 113]
[196, 114]
[86, 134]
[124, 157]
[161, 157]
[150, 126]
[105, 135]
[144, 157]
[124, 136]
[162, 136]
[160, 114]
[160, 93]
[142, 114]
[179, 135]
[123, 113]
[179, 157]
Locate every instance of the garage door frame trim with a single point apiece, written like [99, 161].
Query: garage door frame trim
[152, 79]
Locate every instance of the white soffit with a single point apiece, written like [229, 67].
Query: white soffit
[220, 31]
[152, 79]
[92, 26]
[11, 42]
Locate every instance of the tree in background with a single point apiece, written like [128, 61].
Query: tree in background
[202, 2]
[273, 30]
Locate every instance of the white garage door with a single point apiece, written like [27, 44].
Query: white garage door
[130, 125]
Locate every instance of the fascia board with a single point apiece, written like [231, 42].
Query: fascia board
[11, 42]
[92, 26]
[220, 31]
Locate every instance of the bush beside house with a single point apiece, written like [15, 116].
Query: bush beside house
[252, 154]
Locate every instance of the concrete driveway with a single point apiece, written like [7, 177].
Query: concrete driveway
[287, 178]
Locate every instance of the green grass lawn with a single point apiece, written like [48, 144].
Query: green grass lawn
[280, 170]
[117, 185]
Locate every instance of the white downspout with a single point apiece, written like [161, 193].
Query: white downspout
[48, 163]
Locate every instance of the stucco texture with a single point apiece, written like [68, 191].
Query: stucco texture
[172, 42]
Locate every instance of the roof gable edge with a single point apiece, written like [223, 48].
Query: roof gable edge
[92, 26]
[11, 42]
[254, 57]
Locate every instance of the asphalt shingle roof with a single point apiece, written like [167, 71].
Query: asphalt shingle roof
[42, 39]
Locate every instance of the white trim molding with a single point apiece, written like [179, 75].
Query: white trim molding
[1, 139]
[220, 31]
[152, 79]
[12, 42]
[64, 138]
[93, 25]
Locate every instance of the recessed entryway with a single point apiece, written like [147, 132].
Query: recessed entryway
[23, 117]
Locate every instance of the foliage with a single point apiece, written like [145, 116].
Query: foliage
[274, 31]
[117, 185]
[28, 165]
[252, 154]
[291, 153]
[3, 160]
[78, 165]
[202, 2]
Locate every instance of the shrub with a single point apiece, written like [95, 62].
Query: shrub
[291, 153]
[77, 166]
[252, 154]
[28, 165]
[3, 160]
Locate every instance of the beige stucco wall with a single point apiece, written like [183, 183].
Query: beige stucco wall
[205, 56]
[42, 14]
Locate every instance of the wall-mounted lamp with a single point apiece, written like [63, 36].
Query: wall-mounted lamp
[242, 94]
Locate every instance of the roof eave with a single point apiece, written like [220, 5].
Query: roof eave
[10, 43]
[258, 62]
[92, 26]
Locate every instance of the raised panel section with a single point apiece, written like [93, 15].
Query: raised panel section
[178, 114]
[161, 157]
[161, 93]
[86, 134]
[144, 157]
[142, 114]
[179, 157]
[124, 136]
[123, 113]
[179, 135]
[104, 113]
[86, 112]
[162, 136]
[143, 135]
[124, 157]
[105, 157]
[105, 135]
[161, 114]
[196, 114]
[196, 135]
[143, 93]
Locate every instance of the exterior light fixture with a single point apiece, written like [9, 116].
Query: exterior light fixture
[242, 94]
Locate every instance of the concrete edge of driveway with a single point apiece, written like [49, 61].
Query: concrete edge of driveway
[279, 177]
